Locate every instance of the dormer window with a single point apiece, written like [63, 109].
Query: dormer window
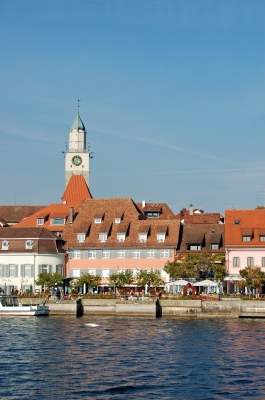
[98, 218]
[42, 218]
[215, 246]
[121, 237]
[236, 222]
[247, 234]
[151, 214]
[117, 220]
[142, 237]
[246, 238]
[29, 244]
[161, 237]
[81, 237]
[103, 237]
[5, 245]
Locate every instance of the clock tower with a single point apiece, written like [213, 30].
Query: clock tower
[76, 155]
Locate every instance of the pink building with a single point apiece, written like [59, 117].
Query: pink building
[244, 243]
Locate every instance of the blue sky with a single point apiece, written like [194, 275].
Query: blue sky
[172, 97]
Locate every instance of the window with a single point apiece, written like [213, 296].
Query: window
[194, 247]
[246, 238]
[161, 237]
[150, 254]
[5, 245]
[29, 244]
[262, 238]
[81, 237]
[142, 237]
[236, 262]
[250, 261]
[121, 237]
[92, 254]
[164, 253]
[27, 271]
[58, 221]
[76, 254]
[105, 273]
[12, 271]
[105, 253]
[215, 246]
[237, 222]
[103, 237]
[153, 214]
[263, 261]
[76, 273]
[121, 253]
[59, 269]
[117, 220]
[136, 253]
[98, 220]
[40, 221]
[92, 272]
[44, 268]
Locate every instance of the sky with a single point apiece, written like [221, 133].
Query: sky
[172, 98]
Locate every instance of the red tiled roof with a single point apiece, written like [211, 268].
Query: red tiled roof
[163, 209]
[131, 213]
[250, 221]
[15, 214]
[55, 210]
[76, 191]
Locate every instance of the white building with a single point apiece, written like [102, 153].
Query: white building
[24, 253]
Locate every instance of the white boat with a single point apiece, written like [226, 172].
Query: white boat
[10, 306]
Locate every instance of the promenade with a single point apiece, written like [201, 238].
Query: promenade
[227, 307]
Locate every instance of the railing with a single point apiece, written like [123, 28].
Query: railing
[77, 150]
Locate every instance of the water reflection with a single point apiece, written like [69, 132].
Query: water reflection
[131, 357]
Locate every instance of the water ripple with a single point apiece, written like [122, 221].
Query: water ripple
[132, 358]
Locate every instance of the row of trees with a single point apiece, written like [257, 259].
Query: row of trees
[120, 279]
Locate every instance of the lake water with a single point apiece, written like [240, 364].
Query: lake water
[131, 358]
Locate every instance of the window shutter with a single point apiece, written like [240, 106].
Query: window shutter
[70, 273]
[7, 271]
[157, 253]
[22, 269]
[32, 272]
[40, 269]
[71, 254]
[98, 253]
[142, 253]
[99, 272]
[16, 271]
[50, 268]
[85, 253]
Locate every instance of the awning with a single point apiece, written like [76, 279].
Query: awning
[233, 278]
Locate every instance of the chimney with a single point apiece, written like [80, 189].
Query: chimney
[143, 203]
[191, 209]
[71, 216]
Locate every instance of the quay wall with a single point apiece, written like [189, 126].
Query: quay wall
[233, 308]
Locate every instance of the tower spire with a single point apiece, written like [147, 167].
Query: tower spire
[78, 105]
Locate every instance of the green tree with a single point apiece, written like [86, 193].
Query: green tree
[176, 270]
[49, 279]
[149, 277]
[122, 278]
[253, 277]
[88, 279]
[197, 266]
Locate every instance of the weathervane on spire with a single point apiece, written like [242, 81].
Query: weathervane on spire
[78, 105]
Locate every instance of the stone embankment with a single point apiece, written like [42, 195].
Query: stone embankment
[228, 307]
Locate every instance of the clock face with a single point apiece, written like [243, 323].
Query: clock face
[76, 160]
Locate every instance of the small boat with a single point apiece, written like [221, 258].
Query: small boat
[10, 306]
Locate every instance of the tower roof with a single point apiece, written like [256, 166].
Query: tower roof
[76, 191]
[78, 123]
